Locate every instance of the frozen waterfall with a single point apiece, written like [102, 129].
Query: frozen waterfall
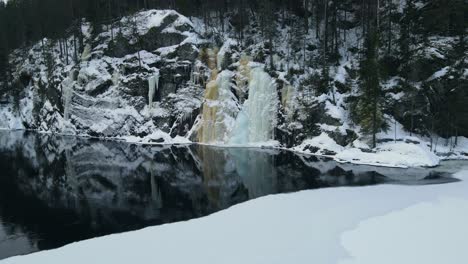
[67, 90]
[219, 109]
[153, 86]
[257, 119]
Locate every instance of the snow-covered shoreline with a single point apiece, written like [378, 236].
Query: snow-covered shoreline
[391, 155]
[404, 152]
[374, 224]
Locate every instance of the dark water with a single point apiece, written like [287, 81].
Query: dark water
[58, 190]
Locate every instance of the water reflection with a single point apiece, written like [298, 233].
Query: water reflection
[57, 190]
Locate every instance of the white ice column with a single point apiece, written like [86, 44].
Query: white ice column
[153, 86]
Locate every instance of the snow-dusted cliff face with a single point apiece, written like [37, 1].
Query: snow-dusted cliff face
[160, 77]
[132, 81]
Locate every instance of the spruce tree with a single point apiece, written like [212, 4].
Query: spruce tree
[369, 114]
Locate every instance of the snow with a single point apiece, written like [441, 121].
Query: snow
[322, 142]
[155, 18]
[448, 151]
[416, 221]
[157, 137]
[391, 154]
[439, 73]
[341, 74]
[366, 225]
[335, 111]
[8, 121]
[404, 153]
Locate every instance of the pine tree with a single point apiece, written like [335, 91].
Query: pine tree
[49, 58]
[368, 106]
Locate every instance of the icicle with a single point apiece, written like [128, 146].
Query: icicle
[67, 94]
[195, 75]
[153, 86]
[257, 119]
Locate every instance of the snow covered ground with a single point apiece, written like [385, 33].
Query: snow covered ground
[365, 225]
[399, 154]
[398, 148]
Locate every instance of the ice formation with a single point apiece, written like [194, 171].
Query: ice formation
[67, 94]
[220, 105]
[195, 75]
[219, 109]
[287, 96]
[153, 86]
[257, 119]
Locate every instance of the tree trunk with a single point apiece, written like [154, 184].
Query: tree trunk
[325, 28]
[75, 49]
[66, 52]
[390, 27]
[412, 117]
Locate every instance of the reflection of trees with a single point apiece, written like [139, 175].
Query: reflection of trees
[68, 189]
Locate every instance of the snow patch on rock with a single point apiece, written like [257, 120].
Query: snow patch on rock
[322, 145]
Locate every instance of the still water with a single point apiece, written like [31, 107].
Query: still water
[58, 190]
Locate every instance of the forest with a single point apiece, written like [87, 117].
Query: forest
[384, 54]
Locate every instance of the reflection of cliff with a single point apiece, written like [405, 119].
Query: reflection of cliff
[256, 169]
[222, 186]
[140, 185]
[78, 188]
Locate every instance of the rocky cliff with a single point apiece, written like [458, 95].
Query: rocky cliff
[160, 77]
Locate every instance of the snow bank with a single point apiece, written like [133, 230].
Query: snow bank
[449, 152]
[398, 154]
[427, 232]
[448, 214]
[366, 225]
[410, 152]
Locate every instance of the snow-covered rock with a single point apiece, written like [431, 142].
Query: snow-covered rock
[158, 77]
[392, 155]
[105, 94]
[322, 145]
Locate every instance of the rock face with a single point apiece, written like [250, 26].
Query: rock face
[105, 94]
[158, 77]
[204, 92]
